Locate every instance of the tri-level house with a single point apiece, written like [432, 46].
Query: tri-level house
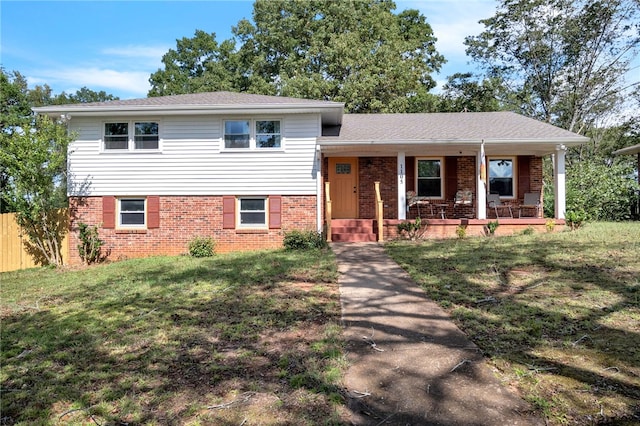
[243, 169]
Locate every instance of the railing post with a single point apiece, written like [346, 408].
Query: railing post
[327, 209]
[379, 212]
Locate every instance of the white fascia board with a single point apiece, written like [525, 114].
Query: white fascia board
[578, 140]
[635, 149]
[332, 113]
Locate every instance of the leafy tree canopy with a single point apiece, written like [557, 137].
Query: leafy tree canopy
[565, 60]
[357, 52]
[34, 160]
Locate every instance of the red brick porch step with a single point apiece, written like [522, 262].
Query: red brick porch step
[352, 230]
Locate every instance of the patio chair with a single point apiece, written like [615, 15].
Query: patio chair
[414, 200]
[531, 202]
[496, 204]
[463, 198]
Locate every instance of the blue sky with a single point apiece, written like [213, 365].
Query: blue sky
[115, 45]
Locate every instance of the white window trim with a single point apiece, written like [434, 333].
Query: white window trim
[442, 196]
[252, 135]
[239, 224]
[514, 178]
[131, 144]
[119, 224]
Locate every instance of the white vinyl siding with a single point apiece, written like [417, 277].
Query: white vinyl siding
[193, 160]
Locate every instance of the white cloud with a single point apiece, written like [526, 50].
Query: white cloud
[132, 51]
[133, 83]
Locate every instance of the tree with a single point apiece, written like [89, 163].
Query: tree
[34, 159]
[565, 59]
[357, 52]
[463, 92]
[198, 64]
[83, 95]
[15, 113]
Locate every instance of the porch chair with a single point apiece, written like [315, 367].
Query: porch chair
[531, 202]
[414, 200]
[496, 204]
[463, 198]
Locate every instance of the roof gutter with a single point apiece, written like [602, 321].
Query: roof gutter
[331, 114]
[635, 149]
[471, 142]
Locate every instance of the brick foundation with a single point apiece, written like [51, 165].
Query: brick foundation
[181, 219]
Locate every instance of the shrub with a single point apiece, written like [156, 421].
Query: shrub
[575, 218]
[461, 231]
[411, 230]
[529, 230]
[550, 224]
[303, 240]
[90, 247]
[600, 191]
[492, 226]
[202, 247]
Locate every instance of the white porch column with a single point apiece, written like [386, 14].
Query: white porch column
[319, 194]
[402, 186]
[559, 181]
[481, 196]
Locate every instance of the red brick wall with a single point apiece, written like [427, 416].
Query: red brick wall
[383, 170]
[181, 219]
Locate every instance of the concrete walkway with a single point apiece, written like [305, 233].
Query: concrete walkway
[409, 363]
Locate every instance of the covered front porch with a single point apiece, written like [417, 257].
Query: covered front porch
[365, 197]
[452, 169]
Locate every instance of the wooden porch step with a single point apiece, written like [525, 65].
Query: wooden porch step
[353, 230]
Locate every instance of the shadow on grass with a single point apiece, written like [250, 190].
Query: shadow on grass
[561, 311]
[158, 341]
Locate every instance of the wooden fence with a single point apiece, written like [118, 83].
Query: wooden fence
[14, 247]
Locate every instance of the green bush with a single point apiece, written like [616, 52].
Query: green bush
[461, 231]
[575, 218]
[411, 230]
[90, 247]
[303, 240]
[492, 226]
[602, 192]
[202, 247]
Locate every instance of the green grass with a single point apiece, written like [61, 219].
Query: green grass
[255, 337]
[557, 314]
[174, 340]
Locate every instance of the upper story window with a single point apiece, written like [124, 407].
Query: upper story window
[118, 136]
[252, 134]
[502, 177]
[237, 134]
[429, 177]
[268, 134]
[146, 135]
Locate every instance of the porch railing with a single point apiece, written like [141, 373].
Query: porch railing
[327, 209]
[379, 212]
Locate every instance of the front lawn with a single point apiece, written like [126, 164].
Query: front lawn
[558, 315]
[234, 339]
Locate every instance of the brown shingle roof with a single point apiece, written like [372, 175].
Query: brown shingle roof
[467, 126]
[207, 98]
